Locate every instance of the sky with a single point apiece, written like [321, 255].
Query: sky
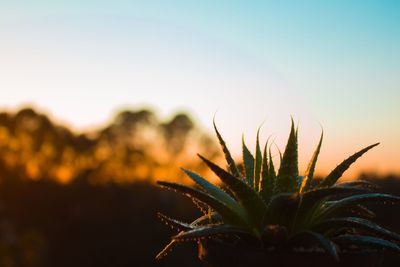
[334, 64]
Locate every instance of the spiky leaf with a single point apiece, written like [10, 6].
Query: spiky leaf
[228, 157]
[342, 167]
[228, 213]
[264, 169]
[209, 231]
[367, 241]
[248, 161]
[358, 223]
[205, 219]
[247, 197]
[203, 208]
[309, 175]
[337, 206]
[271, 173]
[174, 224]
[267, 180]
[286, 180]
[362, 211]
[257, 164]
[211, 218]
[320, 193]
[313, 199]
[167, 249]
[359, 183]
[214, 191]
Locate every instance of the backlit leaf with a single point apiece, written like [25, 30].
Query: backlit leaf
[228, 213]
[210, 231]
[358, 223]
[215, 191]
[286, 180]
[245, 195]
[248, 161]
[271, 173]
[309, 175]
[359, 183]
[366, 241]
[257, 164]
[228, 157]
[167, 249]
[267, 181]
[174, 224]
[342, 167]
[337, 206]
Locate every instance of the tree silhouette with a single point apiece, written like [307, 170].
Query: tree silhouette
[136, 145]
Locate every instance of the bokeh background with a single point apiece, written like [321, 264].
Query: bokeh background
[99, 99]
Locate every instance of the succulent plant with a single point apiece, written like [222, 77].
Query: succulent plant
[281, 210]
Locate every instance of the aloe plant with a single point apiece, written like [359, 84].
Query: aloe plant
[274, 210]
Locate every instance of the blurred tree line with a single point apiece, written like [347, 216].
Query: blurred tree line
[70, 199]
[136, 145]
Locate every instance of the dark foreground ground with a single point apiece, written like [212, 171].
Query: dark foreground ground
[47, 224]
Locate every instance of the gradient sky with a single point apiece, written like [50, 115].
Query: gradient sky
[334, 63]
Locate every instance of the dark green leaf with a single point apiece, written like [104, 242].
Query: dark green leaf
[210, 231]
[257, 164]
[286, 180]
[211, 218]
[215, 191]
[311, 200]
[362, 211]
[264, 169]
[174, 224]
[267, 181]
[359, 183]
[228, 213]
[247, 197]
[358, 223]
[231, 163]
[271, 173]
[309, 175]
[248, 161]
[345, 203]
[366, 241]
[342, 167]
[320, 193]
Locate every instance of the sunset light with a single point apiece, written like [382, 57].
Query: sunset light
[103, 98]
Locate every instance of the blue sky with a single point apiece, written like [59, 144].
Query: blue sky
[331, 62]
